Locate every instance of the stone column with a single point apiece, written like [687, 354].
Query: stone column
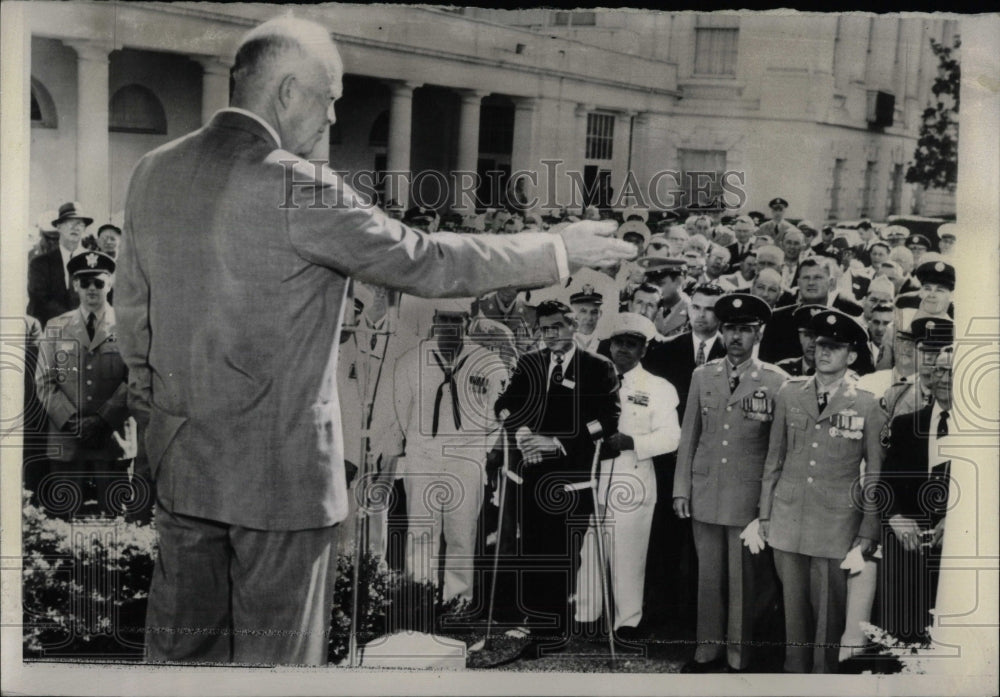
[92, 143]
[523, 156]
[468, 146]
[578, 156]
[400, 130]
[214, 85]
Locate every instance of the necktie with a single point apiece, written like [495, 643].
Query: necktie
[699, 359]
[91, 325]
[822, 400]
[449, 380]
[942, 428]
[374, 341]
[557, 372]
[734, 382]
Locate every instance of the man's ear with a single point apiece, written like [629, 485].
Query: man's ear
[852, 356]
[286, 85]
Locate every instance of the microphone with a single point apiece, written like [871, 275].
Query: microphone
[595, 429]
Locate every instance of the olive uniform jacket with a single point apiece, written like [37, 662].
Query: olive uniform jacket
[77, 375]
[724, 441]
[810, 490]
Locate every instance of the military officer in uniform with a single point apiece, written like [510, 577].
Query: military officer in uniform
[806, 363]
[667, 274]
[813, 508]
[777, 226]
[626, 491]
[586, 304]
[442, 410]
[505, 306]
[929, 335]
[81, 382]
[727, 422]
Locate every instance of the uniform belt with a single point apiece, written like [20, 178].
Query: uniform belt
[513, 477]
[578, 486]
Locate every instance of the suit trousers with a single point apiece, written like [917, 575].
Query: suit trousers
[726, 594]
[626, 506]
[444, 496]
[228, 594]
[815, 593]
[907, 589]
[553, 522]
[860, 599]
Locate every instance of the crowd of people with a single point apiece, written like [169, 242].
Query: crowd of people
[697, 431]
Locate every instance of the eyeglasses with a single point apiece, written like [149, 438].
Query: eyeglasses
[941, 372]
[86, 282]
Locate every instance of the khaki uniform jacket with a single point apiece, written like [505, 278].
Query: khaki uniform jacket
[724, 442]
[77, 375]
[810, 491]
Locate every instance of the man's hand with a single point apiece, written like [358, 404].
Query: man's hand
[682, 507]
[620, 442]
[534, 447]
[907, 532]
[592, 243]
[938, 536]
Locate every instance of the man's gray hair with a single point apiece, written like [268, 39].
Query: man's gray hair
[267, 43]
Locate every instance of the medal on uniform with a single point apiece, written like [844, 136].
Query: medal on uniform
[640, 399]
[758, 407]
[847, 424]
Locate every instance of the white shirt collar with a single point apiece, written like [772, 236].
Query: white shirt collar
[709, 343]
[259, 119]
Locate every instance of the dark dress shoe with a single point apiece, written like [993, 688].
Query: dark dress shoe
[694, 666]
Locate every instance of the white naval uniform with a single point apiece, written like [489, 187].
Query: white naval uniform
[627, 494]
[444, 474]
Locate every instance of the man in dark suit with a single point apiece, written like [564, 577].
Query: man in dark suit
[238, 402]
[49, 291]
[671, 565]
[554, 395]
[743, 229]
[914, 521]
[781, 335]
[676, 359]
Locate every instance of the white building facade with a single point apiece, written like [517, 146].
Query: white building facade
[822, 110]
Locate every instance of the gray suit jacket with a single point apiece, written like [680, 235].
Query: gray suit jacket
[231, 286]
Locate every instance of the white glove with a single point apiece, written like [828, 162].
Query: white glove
[751, 537]
[130, 443]
[854, 562]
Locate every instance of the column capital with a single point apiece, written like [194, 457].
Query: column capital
[89, 50]
[402, 87]
[525, 103]
[471, 95]
[215, 65]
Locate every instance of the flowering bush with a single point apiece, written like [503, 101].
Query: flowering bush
[85, 586]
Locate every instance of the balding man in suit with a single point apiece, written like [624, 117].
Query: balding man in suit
[238, 402]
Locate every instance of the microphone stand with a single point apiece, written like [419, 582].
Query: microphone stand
[596, 433]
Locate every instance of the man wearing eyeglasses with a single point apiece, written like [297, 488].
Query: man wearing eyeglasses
[81, 382]
[918, 476]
